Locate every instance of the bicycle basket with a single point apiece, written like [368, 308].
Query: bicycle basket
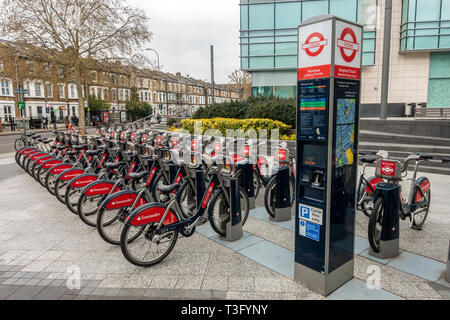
[389, 169]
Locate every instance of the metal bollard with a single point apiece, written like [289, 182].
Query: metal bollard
[389, 238]
[234, 226]
[246, 182]
[283, 196]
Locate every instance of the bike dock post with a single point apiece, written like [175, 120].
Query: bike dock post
[199, 176]
[282, 196]
[173, 169]
[389, 238]
[234, 226]
[246, 182]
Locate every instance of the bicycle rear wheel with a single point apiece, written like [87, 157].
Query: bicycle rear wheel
[375, 224]
[149, 249]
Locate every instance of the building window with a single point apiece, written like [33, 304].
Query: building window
[61, 91]
[113, 79]
[425, 25]
[37, 89]
[99, 93]
[49, 90]
[122, 81]
[127, 95]
[113, 94]
[94, 76]
[5, 87]
[60, 72]
[72, 91]
[105, 77]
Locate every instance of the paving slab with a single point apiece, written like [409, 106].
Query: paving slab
[418, 265]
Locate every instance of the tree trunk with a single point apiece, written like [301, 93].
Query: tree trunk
[82, 123]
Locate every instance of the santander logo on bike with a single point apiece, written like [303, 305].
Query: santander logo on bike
[388, 168]
[155, 215]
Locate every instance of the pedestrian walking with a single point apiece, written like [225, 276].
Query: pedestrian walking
[53, 117]
[12, 124]
[66, 121]
[45, 123]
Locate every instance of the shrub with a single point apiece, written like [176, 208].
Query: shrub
[274, 108]
[241, 125]
[171, 122]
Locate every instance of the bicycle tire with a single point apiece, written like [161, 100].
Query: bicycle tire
[186, 192]
[19, 143]
[60, 190]
[418, 225]
[375, 217]
[117, 221]
[125, 246]
[270, 194]
[89, 217]
[72, 206]
[155, 193]
[219, 224]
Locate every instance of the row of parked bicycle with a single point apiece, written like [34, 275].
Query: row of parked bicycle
[140, 189]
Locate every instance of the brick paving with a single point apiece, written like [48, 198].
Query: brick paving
[41, 242]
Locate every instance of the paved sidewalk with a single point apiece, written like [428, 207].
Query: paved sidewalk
[43, 245]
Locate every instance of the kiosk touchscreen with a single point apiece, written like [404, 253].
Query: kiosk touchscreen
[328, 92]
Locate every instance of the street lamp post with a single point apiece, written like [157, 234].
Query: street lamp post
[159, 88]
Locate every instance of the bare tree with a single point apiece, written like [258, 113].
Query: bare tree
[74, 33]
[243, 82]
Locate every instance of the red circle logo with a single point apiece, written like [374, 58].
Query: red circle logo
[349, 47]
[314, 44]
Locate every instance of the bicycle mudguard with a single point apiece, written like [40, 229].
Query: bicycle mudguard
[27, 150]
[69, 174]
[50, 163]
[42, 159]
[38, 155]
[30, 154]
[425, 185]
[150, 213]
[24, 149]
[373, 181]
[83, 180]
[59, 168]
[99, 187]
[122, 199]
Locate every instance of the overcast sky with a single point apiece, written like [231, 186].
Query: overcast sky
[183, 31]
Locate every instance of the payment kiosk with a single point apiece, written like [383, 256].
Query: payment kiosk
[328, 99]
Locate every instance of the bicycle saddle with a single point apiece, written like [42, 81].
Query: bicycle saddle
[61, 147]
[92, 152]
[113, 165]
[80, 146]
[368, 159]
[71, 153]
[169, 188]
[445, 160]
[137, 175]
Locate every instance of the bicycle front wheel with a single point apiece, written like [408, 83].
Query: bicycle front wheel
[19, 143]
[219, 211]
[87, 208]
[150, 248]
[421, 213]
[270, 194]
[375, 224]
